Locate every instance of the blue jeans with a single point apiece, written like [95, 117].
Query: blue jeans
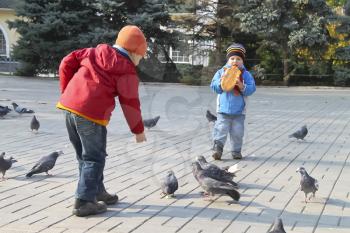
[232, 124]
[89, 141]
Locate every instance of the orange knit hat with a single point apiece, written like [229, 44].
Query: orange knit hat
[132, 39]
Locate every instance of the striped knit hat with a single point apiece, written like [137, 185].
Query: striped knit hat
[235, 49]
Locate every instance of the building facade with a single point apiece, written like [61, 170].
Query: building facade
[8, 37]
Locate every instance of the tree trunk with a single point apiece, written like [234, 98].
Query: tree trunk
[286, 74]
[218, 45]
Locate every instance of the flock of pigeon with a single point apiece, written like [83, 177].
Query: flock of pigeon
[215, 180]
[34, 124]
[47, 162]
[211, 178]
[44, 164]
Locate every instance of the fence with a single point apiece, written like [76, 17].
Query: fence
[8, 66]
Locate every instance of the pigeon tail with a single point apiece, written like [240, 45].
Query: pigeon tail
[234, 194]
[233, 183]
[210, 117]
[30, 174]
[157, 119]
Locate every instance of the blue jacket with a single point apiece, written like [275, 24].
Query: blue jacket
[227, 102]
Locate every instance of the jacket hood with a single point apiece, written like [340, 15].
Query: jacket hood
[110, 59]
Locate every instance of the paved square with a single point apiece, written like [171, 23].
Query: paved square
[268, 182]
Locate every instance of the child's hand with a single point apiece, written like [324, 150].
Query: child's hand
[226, 71]
[140, 137]
[240, 84]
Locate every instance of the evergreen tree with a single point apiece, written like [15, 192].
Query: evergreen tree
[49, 30]
[152, 16]
[288, 26]
[111, 16]
[342, 70]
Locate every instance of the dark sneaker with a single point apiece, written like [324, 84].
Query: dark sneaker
[236, 155]
[107, 198]
[84, 208]
[218, 149]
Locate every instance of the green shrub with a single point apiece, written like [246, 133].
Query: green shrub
[191, 74]
[342, 77]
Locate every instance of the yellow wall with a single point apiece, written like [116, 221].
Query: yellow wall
[11, 36]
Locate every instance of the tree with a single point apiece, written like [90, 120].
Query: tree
[49, 29]
[336, 3]
[109, 16]
[213, 20]
[152, 16]
[342, 70]
[288, 26]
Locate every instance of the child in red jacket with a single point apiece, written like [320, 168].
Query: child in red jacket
[90, 79]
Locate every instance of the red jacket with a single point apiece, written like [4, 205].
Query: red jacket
[91, 78]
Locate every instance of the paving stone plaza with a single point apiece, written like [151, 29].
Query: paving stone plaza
[269, 184]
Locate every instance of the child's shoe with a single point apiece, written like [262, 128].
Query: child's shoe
[218, 149]
[236, 155]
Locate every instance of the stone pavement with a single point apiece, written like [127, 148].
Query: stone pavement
[268, 181]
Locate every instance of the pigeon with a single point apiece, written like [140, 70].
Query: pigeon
[278, 226]
[5, 164]
[34, 124]
[45, 163]
[213, 186]
[169, 184]
[211, 117]
[150, 123]
[300, 134]
[307, 183]
[215, 172]
[4, 110]
[21, 110]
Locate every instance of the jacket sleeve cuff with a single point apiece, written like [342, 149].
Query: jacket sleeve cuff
[139, 128]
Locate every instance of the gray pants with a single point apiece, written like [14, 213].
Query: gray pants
[232, 124]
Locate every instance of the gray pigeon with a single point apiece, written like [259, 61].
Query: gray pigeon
[4, 110]
[5, 164]
[212, 186]
[300, 134]
[169, 184]
[213, 171]
[150, 123]
[211, 117]
[21, 110]
[307, 183]
[278, 226]
[45, 163]
[34, 124]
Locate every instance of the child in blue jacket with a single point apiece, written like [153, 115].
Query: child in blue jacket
[231, 106]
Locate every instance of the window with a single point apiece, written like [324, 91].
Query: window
[180, 57]
[2, 44]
